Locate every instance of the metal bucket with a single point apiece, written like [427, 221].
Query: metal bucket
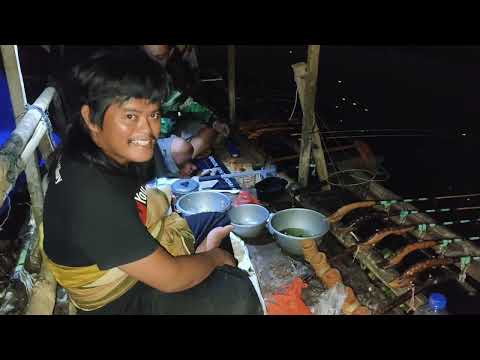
[311, 222]
[248, 220]
[203, 201]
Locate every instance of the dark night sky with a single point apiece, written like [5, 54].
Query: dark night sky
[402, 87]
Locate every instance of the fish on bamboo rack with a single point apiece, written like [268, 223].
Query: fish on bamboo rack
[338, 215]
[383, 233]
[367, 218]
[376, 238]
[408, 277]
[403, 252]
[379, 216]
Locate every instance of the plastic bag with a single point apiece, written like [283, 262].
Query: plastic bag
[245, 198]
[289, 300]
[331, 301]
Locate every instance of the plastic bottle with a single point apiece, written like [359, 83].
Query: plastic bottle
[437, 305]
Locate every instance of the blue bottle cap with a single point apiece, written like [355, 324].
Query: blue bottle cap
[437, 301]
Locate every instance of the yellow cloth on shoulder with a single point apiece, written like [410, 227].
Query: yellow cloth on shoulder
[170, 230]
[90, 288]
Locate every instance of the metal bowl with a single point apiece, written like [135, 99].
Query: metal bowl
[248, 220]
[311, 222]
[203, 201]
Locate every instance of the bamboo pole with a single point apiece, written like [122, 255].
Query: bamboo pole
[17, 94]
[231, 83]
[14, 156]
[43, 295]
[306, 76]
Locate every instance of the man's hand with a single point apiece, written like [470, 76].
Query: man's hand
[214, 238]
[221, 128]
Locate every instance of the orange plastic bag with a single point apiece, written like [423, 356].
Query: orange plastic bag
[244, 197]
[289, 301]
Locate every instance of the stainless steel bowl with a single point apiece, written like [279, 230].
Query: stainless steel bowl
[311, 222]
[203, 201]
[248, 220]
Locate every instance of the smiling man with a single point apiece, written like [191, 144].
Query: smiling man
[111, 242]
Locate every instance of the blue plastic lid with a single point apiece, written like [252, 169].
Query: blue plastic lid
[437, 301]
[184, 186]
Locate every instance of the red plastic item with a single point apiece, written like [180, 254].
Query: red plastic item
[244, 197]
[289, 301]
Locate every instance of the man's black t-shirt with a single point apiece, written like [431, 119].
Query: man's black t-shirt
[94, 218]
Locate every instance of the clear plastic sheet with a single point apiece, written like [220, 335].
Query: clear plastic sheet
[331, 301]
[275, 269]
[240, 251]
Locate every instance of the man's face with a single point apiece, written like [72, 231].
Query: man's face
[158, 53]
[129, 132]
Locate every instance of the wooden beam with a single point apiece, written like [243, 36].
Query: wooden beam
[231, 83]
[18, 97]
[18, 149]
[300, 72]
[306, 76]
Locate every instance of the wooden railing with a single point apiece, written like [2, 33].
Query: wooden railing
[19, 155]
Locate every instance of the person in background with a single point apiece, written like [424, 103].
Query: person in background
[195, 123]
[114, 243]
[181, 62]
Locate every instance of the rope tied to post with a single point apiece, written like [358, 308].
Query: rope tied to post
[43, 117]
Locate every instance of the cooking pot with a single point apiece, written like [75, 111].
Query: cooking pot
[312, 225]
[270, 188]
[309, 224]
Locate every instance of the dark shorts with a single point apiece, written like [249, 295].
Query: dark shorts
[202, 224]
[227, 291]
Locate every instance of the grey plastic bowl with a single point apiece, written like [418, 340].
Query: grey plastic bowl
[203, 201]
[310, 221]
[248, 220]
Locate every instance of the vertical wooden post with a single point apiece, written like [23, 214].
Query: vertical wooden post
[231, 83]
[17, 94]
[306, 77]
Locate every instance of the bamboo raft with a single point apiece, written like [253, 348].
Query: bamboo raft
[34, 291]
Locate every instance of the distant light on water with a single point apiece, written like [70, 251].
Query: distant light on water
[343, 99]
[339, 81]
[365, 109]
[464, 134]
[354, 104]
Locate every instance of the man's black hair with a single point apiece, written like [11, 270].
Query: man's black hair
[109, 77]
